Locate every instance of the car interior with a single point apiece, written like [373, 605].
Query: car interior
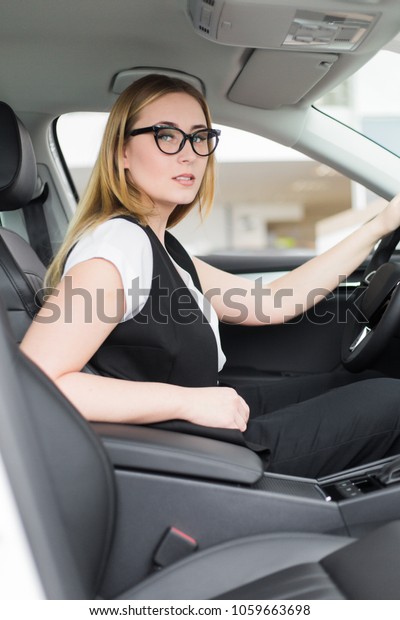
[173, 511]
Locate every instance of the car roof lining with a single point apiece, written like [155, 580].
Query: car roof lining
[72, 66]
[89, 58]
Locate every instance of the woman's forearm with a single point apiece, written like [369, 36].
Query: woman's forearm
[312, 281]
[240, 300]
[105, 399]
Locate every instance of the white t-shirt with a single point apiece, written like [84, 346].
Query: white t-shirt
[128, 247]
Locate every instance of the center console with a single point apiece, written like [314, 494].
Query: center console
[213, 491]
[366, 496]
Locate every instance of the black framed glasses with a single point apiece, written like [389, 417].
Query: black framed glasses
[171, 140]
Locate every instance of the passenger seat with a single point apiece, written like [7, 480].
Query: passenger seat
[21, 270]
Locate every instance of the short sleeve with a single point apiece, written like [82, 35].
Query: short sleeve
[127, 246]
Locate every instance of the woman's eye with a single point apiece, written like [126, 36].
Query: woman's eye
[167, 136]
[200, 137]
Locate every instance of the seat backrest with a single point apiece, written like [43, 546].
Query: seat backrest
[21, 271]
[61, 476]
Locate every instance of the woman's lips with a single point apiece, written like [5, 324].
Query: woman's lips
[185, 179]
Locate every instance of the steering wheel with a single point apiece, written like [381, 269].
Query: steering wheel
[374, 311]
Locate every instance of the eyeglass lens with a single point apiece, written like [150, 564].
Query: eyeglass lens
[169, 141]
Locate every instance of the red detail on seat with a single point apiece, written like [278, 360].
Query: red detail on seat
[183, 535]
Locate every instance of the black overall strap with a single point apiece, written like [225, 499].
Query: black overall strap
[175, 249]
[180, 255]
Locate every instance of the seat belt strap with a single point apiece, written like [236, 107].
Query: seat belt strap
[36, 226]
[18, 280]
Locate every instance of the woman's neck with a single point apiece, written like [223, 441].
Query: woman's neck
[158, 224]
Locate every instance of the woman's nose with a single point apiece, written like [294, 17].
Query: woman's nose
[187, 153]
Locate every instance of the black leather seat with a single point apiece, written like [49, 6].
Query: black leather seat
[21, 271]
[65, 488]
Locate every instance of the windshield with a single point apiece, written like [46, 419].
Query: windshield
[369, 101]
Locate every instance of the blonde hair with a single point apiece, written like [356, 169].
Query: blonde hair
[111, 190]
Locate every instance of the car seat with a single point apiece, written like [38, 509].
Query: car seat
[21, 270]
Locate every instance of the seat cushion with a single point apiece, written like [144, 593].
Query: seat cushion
[218, 570]
[301, 582]
[370, 567]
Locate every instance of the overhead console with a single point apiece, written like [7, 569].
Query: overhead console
[262, 24]
[288, 46]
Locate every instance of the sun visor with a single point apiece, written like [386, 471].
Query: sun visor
[271, 79]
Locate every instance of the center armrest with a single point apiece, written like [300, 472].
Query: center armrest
[163, 451]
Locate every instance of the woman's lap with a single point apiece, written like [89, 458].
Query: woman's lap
[322, 424]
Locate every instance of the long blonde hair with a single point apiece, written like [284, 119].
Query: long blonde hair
[111, 190]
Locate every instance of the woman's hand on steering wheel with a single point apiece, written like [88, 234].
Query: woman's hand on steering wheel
[373, 315]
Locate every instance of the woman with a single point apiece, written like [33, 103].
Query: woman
[126, 296]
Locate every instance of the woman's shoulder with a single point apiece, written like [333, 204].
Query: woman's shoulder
[117, 230]
[121, 241]
[127, 246]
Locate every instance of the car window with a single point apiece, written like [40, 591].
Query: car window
[269, 198]
[369, 101]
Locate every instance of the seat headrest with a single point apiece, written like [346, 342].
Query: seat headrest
[18, 172]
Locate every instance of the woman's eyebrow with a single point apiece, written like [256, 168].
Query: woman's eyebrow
[167, 123]
[172, 124]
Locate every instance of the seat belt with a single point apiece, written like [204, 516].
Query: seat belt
[18, 280]
[36, 226]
